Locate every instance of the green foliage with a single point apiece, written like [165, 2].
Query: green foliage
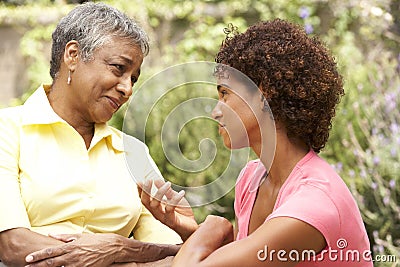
[370, 163]
[365, 139]
[34, 46]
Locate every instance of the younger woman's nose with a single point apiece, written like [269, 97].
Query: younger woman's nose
[217, 113]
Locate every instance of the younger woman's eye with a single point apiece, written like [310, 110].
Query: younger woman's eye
[223, 93]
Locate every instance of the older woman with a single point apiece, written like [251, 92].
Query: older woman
[291, 208]
[63, 170]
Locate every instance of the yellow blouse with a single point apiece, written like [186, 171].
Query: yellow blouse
[50, 182]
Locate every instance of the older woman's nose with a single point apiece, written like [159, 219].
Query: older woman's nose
[125, 87]
[217, 113]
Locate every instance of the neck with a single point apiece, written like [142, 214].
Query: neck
[285, 157]
[60, 102]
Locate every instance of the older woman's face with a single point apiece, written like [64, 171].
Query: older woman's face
[105, 83]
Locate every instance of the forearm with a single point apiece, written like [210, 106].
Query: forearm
[141, 252]
[186, 231]
[166, 262]
[16, 244]
[201, 244]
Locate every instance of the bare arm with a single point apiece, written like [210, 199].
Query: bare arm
[236, 229]
[166, 262]
[141, 252]
[261, 248]
[16, 243]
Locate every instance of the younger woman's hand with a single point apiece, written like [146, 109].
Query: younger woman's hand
[214, 233]
[169, 207]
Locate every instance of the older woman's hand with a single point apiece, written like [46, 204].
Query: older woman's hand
[100, 250]
[169, 207]
[79, 250]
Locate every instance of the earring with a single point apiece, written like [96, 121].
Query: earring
[69, 77]
[266, 107]
[265, 104]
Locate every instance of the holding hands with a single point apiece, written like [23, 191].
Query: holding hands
[169, 207]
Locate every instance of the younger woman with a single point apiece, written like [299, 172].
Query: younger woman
[292, 209]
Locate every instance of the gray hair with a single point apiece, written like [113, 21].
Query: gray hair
[92, 25]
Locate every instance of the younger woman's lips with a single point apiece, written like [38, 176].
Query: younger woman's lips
[221, 128]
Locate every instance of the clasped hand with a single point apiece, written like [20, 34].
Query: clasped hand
[78, 250]
[166, 205]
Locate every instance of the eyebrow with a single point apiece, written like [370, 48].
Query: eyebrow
[127, 60]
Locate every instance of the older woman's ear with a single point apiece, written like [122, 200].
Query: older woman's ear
[71, 53]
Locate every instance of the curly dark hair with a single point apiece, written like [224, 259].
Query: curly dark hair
[296, 73]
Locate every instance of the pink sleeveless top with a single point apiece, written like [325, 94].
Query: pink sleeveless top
[313, 193]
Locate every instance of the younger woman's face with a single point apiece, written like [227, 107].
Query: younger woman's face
[237, 111]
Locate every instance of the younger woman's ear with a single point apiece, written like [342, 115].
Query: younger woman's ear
[71, 54]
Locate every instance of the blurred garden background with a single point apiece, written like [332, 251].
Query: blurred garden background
[364, 36]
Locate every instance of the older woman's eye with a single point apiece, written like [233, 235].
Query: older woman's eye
[118, 67]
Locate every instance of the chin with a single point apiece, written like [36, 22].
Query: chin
[235, 145]
[103, 119]
[238, 147]
[228, 145]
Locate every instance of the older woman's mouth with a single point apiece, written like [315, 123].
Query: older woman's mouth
[114, 102]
